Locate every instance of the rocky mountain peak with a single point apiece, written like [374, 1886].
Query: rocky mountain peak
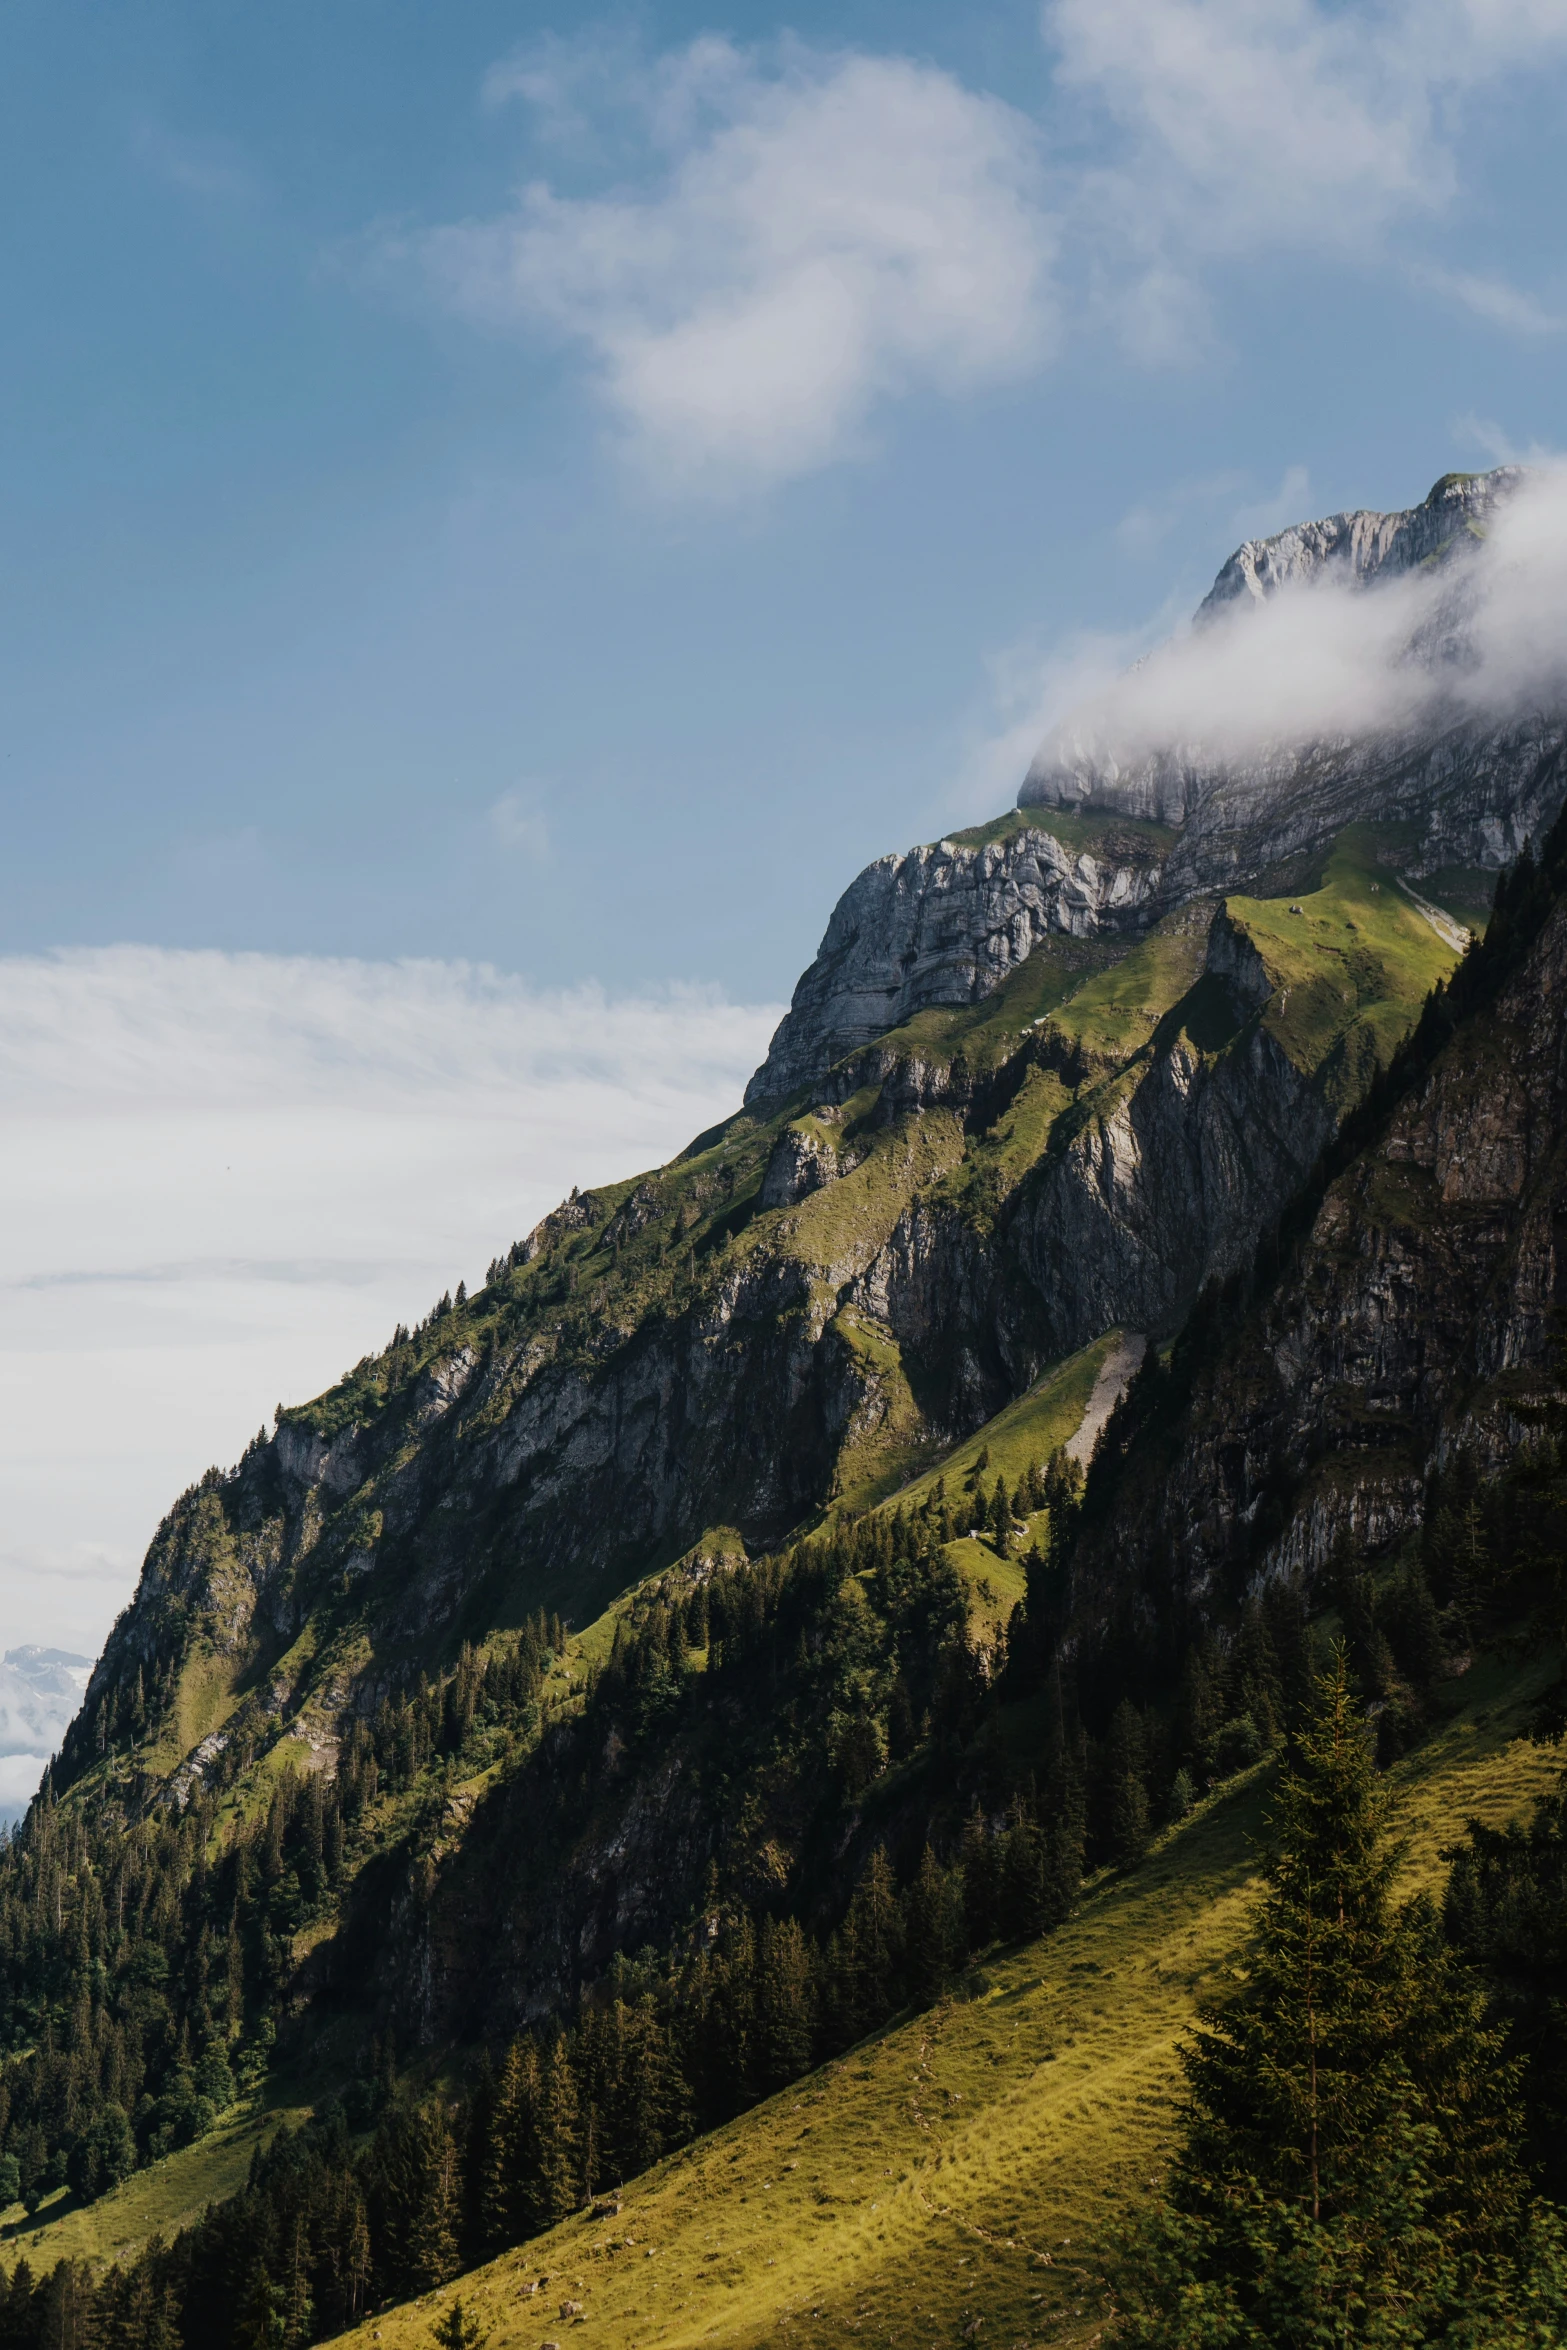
[1469, 781]
[1365, 546]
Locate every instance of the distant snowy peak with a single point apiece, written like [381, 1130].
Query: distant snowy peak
[40, 1690]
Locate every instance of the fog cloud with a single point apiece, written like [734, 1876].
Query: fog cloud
[1326, 657]
[223, 1178]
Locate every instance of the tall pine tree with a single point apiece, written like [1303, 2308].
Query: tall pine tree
[1347, 2170]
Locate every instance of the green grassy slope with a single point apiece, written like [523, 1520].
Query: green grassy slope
[1349, 960]
[965, 2163]
[1352, 964]
[1048, 1415]
[1025, 1433]
[166, 2196]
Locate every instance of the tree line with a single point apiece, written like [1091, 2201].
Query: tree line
[1359, 2156]
[144, 1963]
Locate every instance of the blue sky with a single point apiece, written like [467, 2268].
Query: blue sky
[348, 608]
[560, 491]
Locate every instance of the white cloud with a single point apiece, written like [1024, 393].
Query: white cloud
[1258, 120]
[1244, 126]
[519, 823]
[1144, 528]
[818, 236]
[1324, 659]
[1493, 300]
[19, 1777]
[1033, 689]
[777, 244]
[207, 168]
[1290, 502]
[1498, 445]
[223, 1178]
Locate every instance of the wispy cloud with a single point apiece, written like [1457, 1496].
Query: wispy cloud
[224, 1177]
[519, 823]
[1498, 445]
[209, 169]
[1258, 125]
[1144, 528]
[1033, 687]
[811, 235]
[1324, 658]
[1493, 300]
[782, 242]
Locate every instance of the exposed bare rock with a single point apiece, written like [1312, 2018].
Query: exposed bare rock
[1473, 787]
[1422, 1318]
[948, 923]
[944, 925]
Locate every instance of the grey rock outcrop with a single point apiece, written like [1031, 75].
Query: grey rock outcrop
[1473, 783]
[1368, 546]
[1422, 1319]
[945, 924]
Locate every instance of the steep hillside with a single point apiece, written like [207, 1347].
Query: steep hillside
[805, 1308]
[967, 2163]
[972, 2163]
[705, 1622]
[1412, 1332]
[1040, 1082]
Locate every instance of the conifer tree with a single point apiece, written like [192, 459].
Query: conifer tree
[651, 2105]
[1063, 1858]
[559, 2149]
[459, 2329]
[1022, 1887]
[1000, 1517]
[867, 1953]
[259, 2322]
[786, 2005]
[1348, 2160]
[978, 1863]
[1126, 1785]
[432, 2252]
[502, 2182]
[928, 1938]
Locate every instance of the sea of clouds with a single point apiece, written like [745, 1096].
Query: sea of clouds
[223, 1178]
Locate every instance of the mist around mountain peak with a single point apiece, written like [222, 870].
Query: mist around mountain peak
[1333, 633]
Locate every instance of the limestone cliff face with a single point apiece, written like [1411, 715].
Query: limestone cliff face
[1421, 1318]
[1472, 794]
[852, 1292]
[1472, 783]
[945, 925]
[1368, 546]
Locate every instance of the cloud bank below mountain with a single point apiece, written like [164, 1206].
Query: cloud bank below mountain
[223, 1178]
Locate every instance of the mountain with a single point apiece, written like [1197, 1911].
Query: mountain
[701, 1639]
[1040, 1081]
[1402, 663]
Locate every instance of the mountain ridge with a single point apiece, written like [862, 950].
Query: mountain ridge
[717, 1570]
